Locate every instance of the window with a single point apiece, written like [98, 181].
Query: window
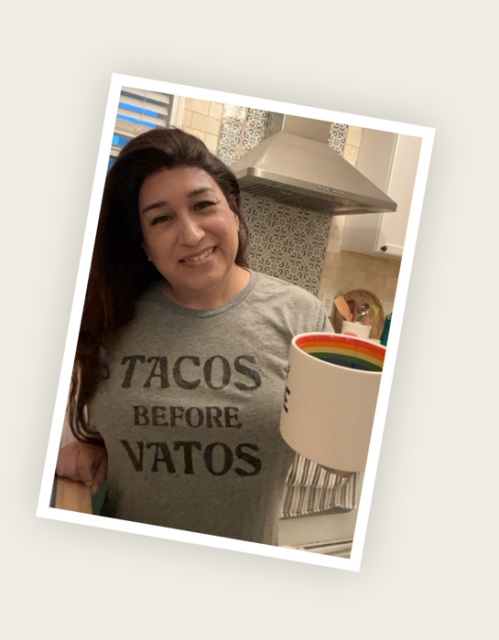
[140, 111]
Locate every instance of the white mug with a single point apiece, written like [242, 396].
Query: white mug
[330, 398]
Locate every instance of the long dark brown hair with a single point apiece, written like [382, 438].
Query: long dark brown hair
[120, 271]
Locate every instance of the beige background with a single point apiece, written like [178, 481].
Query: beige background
[430, 561]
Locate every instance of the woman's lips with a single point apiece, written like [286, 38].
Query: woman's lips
[198, 258]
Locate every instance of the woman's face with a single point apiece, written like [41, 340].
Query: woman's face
[190, 233]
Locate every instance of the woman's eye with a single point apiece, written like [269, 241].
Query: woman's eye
[162, 218]
[204, 204]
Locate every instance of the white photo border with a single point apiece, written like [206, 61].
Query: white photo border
[45, 511]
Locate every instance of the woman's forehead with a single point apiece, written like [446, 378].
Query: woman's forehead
[180, 182]
[179, 179]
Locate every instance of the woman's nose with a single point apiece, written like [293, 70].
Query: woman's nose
[190, 232]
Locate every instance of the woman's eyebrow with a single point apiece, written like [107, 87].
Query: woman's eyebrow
[164, 203]
[196, 192]
[154, 205]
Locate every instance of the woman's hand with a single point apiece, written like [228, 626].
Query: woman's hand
[85, 463]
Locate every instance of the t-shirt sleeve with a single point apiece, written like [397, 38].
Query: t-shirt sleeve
[323, 323]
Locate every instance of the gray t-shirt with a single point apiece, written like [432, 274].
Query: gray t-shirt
[190, 412]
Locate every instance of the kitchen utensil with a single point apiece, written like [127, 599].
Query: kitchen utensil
[362, 312]
[342, 307]
[360, 296]
[371, 315]
[354, 310]
[351, 306]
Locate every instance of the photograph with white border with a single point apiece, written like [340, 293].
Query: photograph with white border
[235, 322]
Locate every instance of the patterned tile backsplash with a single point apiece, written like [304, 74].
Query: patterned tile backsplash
[286, 242]
[242, 129]
[337, 136]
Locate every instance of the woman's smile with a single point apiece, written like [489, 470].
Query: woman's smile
[198, 259]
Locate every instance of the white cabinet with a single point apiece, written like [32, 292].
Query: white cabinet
[390, 161]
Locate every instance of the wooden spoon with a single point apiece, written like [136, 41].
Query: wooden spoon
[342, 306]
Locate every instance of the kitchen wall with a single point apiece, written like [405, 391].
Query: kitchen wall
[296, 244]
[203, 119]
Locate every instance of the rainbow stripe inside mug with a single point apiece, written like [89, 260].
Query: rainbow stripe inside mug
[343, 351]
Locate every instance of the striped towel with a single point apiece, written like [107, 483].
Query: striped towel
[311, 489]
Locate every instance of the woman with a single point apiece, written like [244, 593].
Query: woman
[181, 361]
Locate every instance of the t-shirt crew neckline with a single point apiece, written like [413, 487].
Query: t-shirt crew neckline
[207, 313]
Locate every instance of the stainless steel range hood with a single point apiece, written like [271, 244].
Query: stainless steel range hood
[296, 166]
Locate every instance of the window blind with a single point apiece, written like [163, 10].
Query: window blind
[138, 111]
